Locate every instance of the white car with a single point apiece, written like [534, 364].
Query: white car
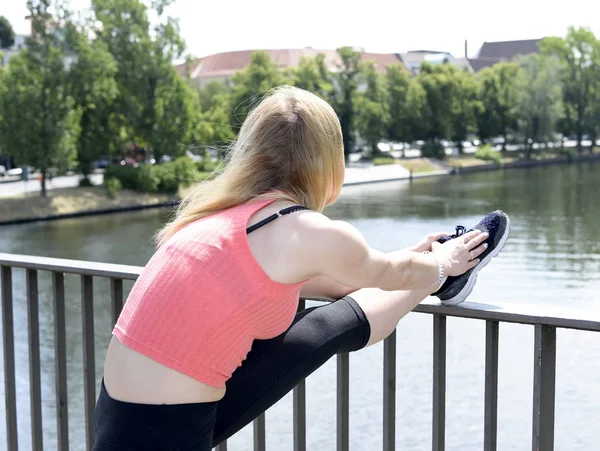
[2, 171]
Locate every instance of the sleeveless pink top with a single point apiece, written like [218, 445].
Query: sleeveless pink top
[202, 299]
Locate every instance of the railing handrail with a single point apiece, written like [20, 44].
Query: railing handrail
[545, 319]
[81, 267]
[550, 315]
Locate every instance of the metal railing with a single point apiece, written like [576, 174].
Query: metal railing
[544, 360]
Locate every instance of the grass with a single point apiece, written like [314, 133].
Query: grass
[418, 165]
[72, 200]
[465, 161]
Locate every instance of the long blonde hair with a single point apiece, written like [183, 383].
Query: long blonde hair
[290, 147]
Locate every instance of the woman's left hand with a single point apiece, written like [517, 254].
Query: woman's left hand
[425, 244]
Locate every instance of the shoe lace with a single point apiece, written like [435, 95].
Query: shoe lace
[460, 230]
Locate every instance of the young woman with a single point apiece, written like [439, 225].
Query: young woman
[209, 337]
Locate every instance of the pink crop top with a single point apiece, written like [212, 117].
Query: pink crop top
[202, 299]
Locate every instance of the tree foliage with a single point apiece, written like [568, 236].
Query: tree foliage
[343, 98]
[40, 125]
[540, 100]
[7, 34]
[579, 55]
[249, 86]
[373, 112]
[94, 90]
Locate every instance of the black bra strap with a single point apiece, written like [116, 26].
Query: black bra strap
[273, 217]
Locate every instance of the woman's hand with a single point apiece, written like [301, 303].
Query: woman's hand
[425, 244]
[460, 254]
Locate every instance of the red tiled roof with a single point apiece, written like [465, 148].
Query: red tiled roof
[227, 63]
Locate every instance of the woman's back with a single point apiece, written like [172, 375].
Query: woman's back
[197, 307]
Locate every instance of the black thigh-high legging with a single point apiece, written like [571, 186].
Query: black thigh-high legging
[272, 368]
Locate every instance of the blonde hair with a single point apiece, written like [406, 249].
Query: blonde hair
[290, 147]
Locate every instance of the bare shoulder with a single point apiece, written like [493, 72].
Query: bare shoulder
[305, 244]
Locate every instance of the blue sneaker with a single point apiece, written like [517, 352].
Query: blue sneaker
[456, 289]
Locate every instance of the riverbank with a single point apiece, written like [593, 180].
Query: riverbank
[73, 202]
[79, 201]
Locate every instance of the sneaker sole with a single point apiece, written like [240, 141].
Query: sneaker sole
[466, 291]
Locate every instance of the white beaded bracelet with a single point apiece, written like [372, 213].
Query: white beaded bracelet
[440, 277]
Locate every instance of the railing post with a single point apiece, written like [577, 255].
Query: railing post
[491, 386]
[343, 402]
[544, 380]
[60, 361]
[33, 329]
[299, 401]
[260, 433]
[116, 299]
[439, 383]
[389, 393]
[8, 339]
[89, 364]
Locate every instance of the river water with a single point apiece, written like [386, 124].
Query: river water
[551, 258]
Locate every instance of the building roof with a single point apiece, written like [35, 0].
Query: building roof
[227, 63]
[497, 52]
[508, 50]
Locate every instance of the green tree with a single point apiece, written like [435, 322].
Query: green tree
[215, 94]
[344, 94]
[175, 117]
[540, 98]
[466, 106]
[7, 35]
[144, 55]
[94, 88]
[40, 122]
[312, 74]
[401, 122]
[579, 53]
[249, 85]
[438, 108]
[214, 127]
[373, 112]
[417, 108]
[499, 96]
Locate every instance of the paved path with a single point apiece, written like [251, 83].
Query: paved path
[20, 187]
[354, 175]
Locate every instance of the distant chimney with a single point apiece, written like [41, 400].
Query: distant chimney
[466, 49]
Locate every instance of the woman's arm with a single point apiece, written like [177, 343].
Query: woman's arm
[322, 287]
[337, 250]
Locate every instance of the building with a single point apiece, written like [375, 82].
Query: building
[414, 58]
[20, 44]
[501, 51]
[222, 66]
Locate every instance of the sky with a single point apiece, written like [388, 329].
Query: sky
[387, 26]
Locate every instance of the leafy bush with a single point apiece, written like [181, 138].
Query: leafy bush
[113, 186]
[148, 180]
[127, 175]
[208, 165]
[184, 170]
[167, 179]
[383, 160]
[487, 153]
[433, 149]
[158, 178]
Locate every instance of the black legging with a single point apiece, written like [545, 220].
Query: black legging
[272, 369]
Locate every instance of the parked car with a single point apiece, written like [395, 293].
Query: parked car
[2, 171]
